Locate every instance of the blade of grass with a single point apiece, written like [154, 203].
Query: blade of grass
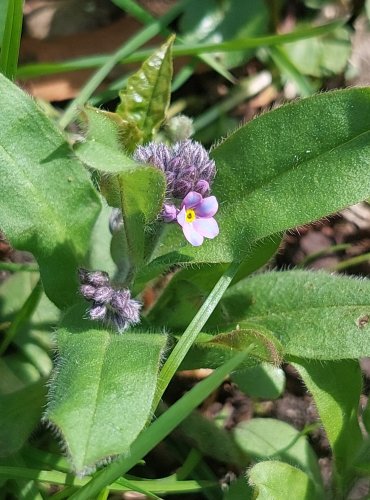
[135, 10]
[159, 429]
[126, 49]
[22, 316]
[246, 88]
[170, 484]
[187, 339]
[287, 68]
[14, 267]
[42, 69]
[11, 39]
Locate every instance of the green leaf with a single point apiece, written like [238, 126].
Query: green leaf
[267, 438]
[49, 205]
[11, 36]
[22, 397]
[336, 388]
[280, 481]
[211, 21]
[322, 56]
[210, 351]
[159, 429]
[33, 334]
[283, 169]
[262, 381]
[212, 440]
[238, 490]
[145, 99]
[135, 189]
[99, 252]
[314, 315]
[187, 290]
[3, 11]
[103, 388]
[20, 411]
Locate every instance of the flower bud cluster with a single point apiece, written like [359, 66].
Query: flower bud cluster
[113, 307]
[186, 165]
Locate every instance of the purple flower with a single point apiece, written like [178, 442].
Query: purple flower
[113, 307]
[196, 218]
[186, 165]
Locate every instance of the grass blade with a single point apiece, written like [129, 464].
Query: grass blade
[126, 49]
[34, 70]
[11, 39]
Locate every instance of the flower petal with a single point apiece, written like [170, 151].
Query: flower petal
[192, 235]
[181, 217]
[191, 200]
[206, 227]
[207, 207]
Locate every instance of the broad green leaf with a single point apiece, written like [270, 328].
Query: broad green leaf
[279, 481]
[49, 205]
[22, 398]
[313, 314]
[321, 56]
[212, 440]
[238, 490]
[99, 252]
[336, 388]
[262, 381]
[283, 169]
[210, 351]
[103, 388]
[20, 411]
[15, 373]
[212, 21]
[268, 438]
[145, 99]
[33, 337]
[367, 8]
[188, 289]
[137, 190]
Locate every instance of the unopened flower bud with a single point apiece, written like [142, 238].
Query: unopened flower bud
[202, 187]
[103, 294]
[98, 312]
[180, 128]
[114, 307]
[88, 291]
[169, 213]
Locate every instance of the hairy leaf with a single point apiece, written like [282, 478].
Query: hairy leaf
[268, 438]
[336, 388]
[280, 481]
[313, 315]
[102, 392]
[49, 205]
[137, 190]
[187, 290]
[210, 351]
[285, 168]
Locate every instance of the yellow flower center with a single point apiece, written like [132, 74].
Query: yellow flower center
[190, 215]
